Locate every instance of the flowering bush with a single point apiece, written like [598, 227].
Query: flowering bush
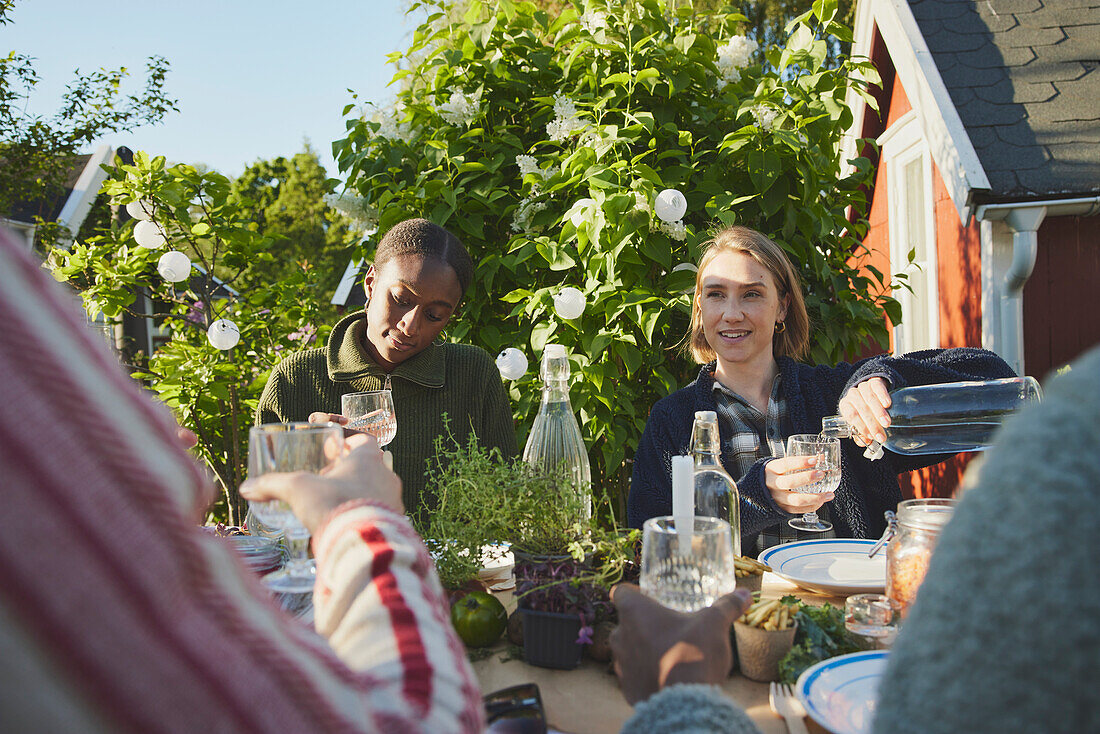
[212, 391]
[544, 139]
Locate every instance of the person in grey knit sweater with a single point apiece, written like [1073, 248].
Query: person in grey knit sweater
[1003, 637]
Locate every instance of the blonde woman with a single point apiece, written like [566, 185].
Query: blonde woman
[749, 327]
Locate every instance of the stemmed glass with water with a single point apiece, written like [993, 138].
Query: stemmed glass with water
[827, 451]
[371, 412]
[291, 447]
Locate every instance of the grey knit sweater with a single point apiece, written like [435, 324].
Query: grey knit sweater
[457, 380]
[1004, 636]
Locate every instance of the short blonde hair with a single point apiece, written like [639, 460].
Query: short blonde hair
[794, 340]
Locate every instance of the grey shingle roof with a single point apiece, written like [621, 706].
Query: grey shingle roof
[1024, 77]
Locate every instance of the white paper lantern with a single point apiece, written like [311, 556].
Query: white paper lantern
[223, 334]
[512, 364]
[670, 205]
[174, 266]
[140, 209]
[148, 234]
[569, 303]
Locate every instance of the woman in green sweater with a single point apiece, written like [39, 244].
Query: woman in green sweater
[419, 276]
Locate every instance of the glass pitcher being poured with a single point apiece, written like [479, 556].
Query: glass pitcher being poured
[945, 418]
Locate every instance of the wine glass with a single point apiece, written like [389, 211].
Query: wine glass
[289, 447]
[828, 452]
[371, 412]
[687, 569]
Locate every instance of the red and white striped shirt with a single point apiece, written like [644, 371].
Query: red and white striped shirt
[117, 614]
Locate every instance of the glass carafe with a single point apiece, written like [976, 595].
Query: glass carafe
[715, 491]
[945, 418]
[556, 436]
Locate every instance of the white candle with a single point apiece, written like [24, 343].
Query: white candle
[683, 500]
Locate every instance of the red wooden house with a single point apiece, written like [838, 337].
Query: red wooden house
[987, 175]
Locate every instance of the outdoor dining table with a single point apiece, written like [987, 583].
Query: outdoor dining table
[587, 699]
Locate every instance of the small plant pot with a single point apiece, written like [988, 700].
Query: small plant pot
[759, 651]
[550, 639]
[752, 582]
[523, 558]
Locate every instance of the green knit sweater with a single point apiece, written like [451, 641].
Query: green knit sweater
[457, 380]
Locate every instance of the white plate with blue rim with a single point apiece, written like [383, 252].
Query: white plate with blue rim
[840, 693]
[831, 566]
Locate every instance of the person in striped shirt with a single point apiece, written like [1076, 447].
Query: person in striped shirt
[118, 614]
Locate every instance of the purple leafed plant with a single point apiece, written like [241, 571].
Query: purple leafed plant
[554, 586]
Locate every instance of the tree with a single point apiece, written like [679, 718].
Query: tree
[36, 152]
[285, 199]
[543, 140]
[212, 390]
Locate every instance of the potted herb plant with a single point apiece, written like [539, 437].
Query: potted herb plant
[565, 561]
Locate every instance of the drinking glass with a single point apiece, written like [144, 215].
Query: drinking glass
[874, 618]
[290, 447]
[687, 569]
[828, 452]
[371, 412]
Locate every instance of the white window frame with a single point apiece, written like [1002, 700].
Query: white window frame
[902, 144]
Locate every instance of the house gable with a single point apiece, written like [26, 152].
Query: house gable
[948, 142]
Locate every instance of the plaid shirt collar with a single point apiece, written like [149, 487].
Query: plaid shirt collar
[752, 436]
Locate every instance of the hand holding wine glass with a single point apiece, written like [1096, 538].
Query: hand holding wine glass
[687, 569]
[371, 412]
[360, 474]
[827, 466]
[303, 449]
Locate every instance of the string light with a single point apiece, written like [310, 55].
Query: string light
[174, 266]
[512, 364]
[670, 205]
[223, 334]
[141, 209]
[148, 234]
[569, 303]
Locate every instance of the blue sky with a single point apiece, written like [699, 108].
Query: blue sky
[253, 79]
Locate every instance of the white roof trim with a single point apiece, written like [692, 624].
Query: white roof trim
[347, 282]
[941, 125]
[84, 193]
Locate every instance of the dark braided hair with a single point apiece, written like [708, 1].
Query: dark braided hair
[428, 240]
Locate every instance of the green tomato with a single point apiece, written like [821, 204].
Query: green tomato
[479, 619]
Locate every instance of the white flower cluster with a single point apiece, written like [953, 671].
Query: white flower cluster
[528, 164]
[735, 55]
[765, 116]
[566, 122]
[641, 203]
[676, 230]
[593, 20]
[461, 108]
[525, 212]
[356, 208]
[391, 127]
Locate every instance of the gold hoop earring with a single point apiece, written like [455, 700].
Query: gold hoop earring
[780, 327]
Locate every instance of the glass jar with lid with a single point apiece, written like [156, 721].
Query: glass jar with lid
[915, 530]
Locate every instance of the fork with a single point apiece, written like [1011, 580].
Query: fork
[786, 704]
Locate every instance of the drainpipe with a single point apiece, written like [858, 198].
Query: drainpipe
[1025, 246]
[1024, 219]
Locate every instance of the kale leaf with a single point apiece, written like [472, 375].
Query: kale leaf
[821, 635]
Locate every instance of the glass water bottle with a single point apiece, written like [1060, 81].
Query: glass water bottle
[715, 491]
[556, 436]
[945, 418]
